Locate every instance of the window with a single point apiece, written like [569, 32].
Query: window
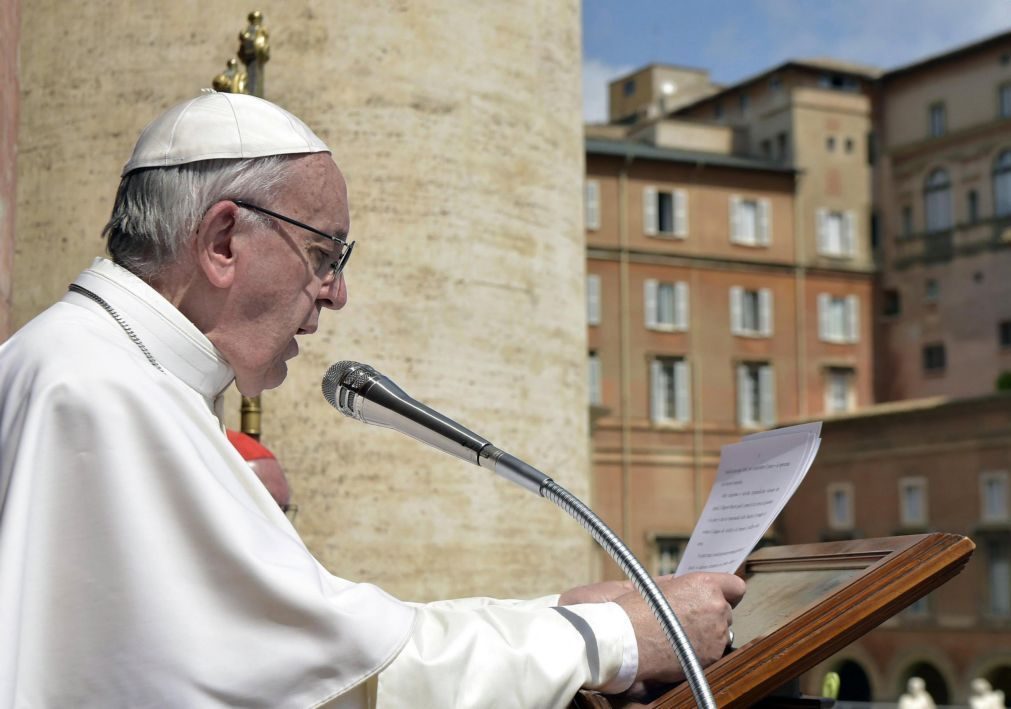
[1004, 100]
[934, 358]
[591, 204]
[836, 233]
[1002, 184]
[665, 212]
[972, 206]
[907, 221]
[749, 221]
[919, 608]
[756, 395]
[838, 318]
[668, 554]
[666, 305]
[840, 506]
[744, 104]
[1004, 333]
[830, 143]
[751, 312]
[592, 299]
[766, 147]
[775, 83]
[872, 148]
[781, 146]
[932, 290]
[849, 145]
[595, 375]
[718, 110]
[892, 302]
[913, 502]
[875, 231]
[937, 200]
[839, 392]
[993, 502]
[669, 390]
[628, 88]
[998, 576]
[936, 120]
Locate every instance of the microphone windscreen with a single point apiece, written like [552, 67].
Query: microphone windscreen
[333, 377]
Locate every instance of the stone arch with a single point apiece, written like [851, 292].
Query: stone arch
[854, 656]
[995, 668]
[930, 660]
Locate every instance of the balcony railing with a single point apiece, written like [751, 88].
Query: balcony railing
[965, 239]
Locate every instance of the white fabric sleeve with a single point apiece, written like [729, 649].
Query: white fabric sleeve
[478, 653]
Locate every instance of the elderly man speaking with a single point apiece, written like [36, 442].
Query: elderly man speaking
[141, 561]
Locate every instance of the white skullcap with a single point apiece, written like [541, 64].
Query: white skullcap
[221, 125]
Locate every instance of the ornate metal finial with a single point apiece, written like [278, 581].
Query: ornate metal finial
[231, 80]
[254, 51]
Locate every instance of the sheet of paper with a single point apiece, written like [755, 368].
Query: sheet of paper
[755, 479]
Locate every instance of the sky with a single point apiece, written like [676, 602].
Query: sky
[735, 39]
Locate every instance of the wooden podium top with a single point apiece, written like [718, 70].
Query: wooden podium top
[805, 603]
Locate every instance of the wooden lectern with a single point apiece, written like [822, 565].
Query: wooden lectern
[805, 603]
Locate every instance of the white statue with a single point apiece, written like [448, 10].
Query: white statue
[983, 696]
[916, 696]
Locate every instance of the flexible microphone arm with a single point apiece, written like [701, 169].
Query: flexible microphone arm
[360, 392]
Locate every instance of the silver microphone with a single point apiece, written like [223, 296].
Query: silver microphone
[360, 392]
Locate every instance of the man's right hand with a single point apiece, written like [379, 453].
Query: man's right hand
[702, 603]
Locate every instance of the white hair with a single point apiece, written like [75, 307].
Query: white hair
[157, 209]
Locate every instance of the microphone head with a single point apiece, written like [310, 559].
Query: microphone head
[345, 374]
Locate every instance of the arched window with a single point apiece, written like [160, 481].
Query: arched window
[1002, 184]
[937, 200]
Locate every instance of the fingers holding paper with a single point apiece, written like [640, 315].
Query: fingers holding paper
[703, 603]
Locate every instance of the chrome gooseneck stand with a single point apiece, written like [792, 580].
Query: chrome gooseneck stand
[517, 471]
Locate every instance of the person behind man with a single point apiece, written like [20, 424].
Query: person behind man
[266, 466]
[141, 561]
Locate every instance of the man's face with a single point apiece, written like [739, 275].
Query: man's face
[285, 279]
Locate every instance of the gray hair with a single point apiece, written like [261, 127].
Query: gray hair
[157, 209]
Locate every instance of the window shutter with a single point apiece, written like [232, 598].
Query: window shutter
[824, 324]
[595, 377]
[649, 211]
[736, 295]
[592, 198]
[682, 392]
[658, 395]
[680, 213]
[765, 311]
[767, 393]
[764, 222]
[849, 236]
[592, 299]
[649, 300]
[822, 219]
[852, 318]
[735, 227]
[743, 397]
[681, 305]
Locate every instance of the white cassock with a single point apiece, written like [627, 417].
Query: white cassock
[143, 564]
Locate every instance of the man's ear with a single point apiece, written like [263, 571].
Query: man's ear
[213, 243]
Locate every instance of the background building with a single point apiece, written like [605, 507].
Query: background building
[729, 278]
[943, 199]
[907, 468]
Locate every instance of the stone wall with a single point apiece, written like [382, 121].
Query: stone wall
[9, 28]
[458, 128]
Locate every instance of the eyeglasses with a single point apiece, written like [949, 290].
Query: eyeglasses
[346, 248]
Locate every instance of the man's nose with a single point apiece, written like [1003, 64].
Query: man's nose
[334, 293]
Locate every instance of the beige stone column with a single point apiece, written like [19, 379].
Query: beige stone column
[10, 28]
[458, 127]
